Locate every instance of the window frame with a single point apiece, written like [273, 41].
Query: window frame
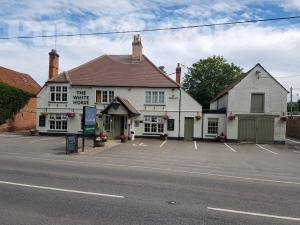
[58, 122]
[252, 110]
[213, 129]
[58, 93]
[106, 96]
[154, 97]
[153, 124]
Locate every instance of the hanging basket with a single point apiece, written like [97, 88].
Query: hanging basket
[71, 114]
[198, 117]
[166, 117]
[45, 114]
[231, 116]
[283, 118]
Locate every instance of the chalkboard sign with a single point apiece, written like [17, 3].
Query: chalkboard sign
[71, 143]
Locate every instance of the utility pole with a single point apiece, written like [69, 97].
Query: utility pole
[291, 102]
[297, 105]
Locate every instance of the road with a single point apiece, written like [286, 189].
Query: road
[42, 188]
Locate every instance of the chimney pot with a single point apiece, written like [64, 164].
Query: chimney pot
[137, 48]
[53, 64]
[178, 73]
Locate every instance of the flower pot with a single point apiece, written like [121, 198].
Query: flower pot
[99, 144]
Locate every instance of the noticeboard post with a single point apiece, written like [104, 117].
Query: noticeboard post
[89, 122]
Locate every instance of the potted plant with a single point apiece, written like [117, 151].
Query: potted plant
[34, 132]
[283, 118]
[71, 114]
[222, 138]
[163, 136]
[124, 138]
[103, 136]
[99, 142]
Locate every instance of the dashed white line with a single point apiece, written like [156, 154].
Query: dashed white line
[61, 190]
[254, 214]
[162, 144]
[195, 144]
[298, 142]
[263, 148]
[232, 149]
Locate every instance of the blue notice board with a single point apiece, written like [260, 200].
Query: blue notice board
[89, 115]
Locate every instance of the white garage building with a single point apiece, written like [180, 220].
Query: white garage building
[251, 109]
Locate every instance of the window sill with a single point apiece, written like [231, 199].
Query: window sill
[154, 104]
[57, 102]
[151, 134]
[58, 131]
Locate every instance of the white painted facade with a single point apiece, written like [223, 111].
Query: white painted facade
[135, 95]
[237, 101]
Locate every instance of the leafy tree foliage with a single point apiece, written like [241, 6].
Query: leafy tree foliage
[12, 100]
[162, 69]
[207, 77]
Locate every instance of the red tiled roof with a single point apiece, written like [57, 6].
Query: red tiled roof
[19, 80]
[116, 70]
[125, 102]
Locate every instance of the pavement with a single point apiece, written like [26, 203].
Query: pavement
[148, 182]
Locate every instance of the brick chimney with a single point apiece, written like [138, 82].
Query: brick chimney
[53, 64]
[178, 73]
[137, 48]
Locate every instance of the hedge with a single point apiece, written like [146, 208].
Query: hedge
[12, 100]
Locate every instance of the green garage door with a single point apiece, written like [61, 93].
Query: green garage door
[247, 130]
[256, 129]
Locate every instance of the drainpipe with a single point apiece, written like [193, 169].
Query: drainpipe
[179, 113]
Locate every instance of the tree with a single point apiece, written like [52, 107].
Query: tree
[207, 77]
[162, 69]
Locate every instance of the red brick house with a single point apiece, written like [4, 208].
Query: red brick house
[26, 117]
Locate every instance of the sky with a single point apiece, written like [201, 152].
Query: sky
[275, 45]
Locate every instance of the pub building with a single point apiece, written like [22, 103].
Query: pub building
[130, 93]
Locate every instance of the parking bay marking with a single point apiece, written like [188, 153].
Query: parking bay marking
[162, 144]
[254, 214]
[263, 148]
[293, 141]
[61, 190]
[195, 144]
[232, 149]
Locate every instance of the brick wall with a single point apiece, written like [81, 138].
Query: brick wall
[24, 120]
[293, 127]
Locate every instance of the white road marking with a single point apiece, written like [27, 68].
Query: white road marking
[298, 142]
[254, 214]
[162, 144]
[60, 189]
[230, 147]
[263, 148]
[297, 152]
[162, 169]
[195, 144]
[141, 144]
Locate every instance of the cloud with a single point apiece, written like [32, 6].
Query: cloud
[275, 47]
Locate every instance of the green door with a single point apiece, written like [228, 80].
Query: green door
[188, 128]
[264, 130]
[247, 130]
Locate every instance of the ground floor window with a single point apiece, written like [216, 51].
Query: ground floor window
[213, 125]
[58, 122]
[154, 124]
